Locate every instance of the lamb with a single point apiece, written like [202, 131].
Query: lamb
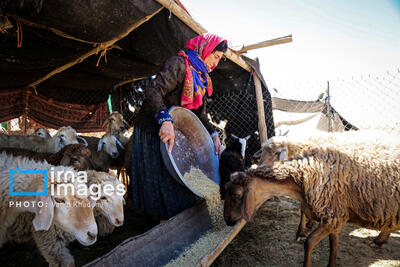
[63, 137]
[334, 188]
[109, 210]
[78, 156]
[42, 132]
[115, 124]
[103, 151]
[282, 148]
[232, 160]
[50, 209]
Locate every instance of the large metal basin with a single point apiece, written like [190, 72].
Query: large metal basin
[193, 147]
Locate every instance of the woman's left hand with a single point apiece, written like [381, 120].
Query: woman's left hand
[217, 145]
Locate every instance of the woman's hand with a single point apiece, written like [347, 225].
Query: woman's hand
[217, 145]
[167, 134]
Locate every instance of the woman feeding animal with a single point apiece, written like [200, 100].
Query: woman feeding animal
[183, 81]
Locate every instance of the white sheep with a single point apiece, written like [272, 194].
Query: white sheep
[63, 137]
[53, 208]
[65, 216]
[109, 207]
[42, 132]
[334, 187]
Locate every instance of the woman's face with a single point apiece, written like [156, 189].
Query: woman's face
[212, 60]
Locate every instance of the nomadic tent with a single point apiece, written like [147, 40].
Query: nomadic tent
[61, 60]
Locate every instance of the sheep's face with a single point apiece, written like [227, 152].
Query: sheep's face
[74, 215]
[65, 136]
[114, 123]
[77, 156]
[43, 133]
[273, 153]
[109, 143]
[112, 205]
[240, 199]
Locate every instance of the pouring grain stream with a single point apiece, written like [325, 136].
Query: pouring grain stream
[205, 244]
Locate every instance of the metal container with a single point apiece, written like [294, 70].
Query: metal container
[193, 147]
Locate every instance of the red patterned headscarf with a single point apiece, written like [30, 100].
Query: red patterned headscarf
[203, 45]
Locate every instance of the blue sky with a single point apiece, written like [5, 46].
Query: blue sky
[330, 38]
[333, 40]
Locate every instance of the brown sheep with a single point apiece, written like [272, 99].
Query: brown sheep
[115, 124]
[282, 148]
[334, 188]
[76, 155]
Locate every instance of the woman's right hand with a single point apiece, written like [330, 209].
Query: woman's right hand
[167, 134]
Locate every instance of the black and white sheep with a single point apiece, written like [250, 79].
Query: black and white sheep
[233, 159]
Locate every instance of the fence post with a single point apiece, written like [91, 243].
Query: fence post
[262, 126]
[328, 107]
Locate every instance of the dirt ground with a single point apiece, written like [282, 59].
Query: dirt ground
[269, 240]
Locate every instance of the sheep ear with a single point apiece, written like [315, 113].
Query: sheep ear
[105, 122]
[44, 215]
[247, 137]
[57, 143]
[249, 205]
[83, 140]
[100, 145]
[283, 155]
[234, 136]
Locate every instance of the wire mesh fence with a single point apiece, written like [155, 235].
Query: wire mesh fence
[360, 102]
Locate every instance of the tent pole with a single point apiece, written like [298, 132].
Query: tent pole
[262, 126]
[100, 47]
[276, 41]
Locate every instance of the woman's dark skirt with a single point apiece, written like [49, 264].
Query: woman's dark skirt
[154, 190]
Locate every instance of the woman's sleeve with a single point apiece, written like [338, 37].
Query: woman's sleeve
[165, 81]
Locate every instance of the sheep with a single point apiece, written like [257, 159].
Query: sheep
[334, 188]
[115, 125]
[232, 160]
[42, 132]
[103, 151]
[78, 156]
[281, 148]
[53, 208]
[63, 137]
[109, 210]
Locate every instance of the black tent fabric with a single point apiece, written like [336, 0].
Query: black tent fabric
[53, 33]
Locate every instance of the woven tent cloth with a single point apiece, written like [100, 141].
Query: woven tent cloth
[52, 113]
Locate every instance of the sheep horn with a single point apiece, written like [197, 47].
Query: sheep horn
[84, 142]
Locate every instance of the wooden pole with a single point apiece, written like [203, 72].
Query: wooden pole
[195, 26]
[276, 41]
[328, 107]
[262, 126]
[100, 47]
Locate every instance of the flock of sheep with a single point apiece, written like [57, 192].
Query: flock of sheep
[340, 178]
[351, 177]
[69, 213]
